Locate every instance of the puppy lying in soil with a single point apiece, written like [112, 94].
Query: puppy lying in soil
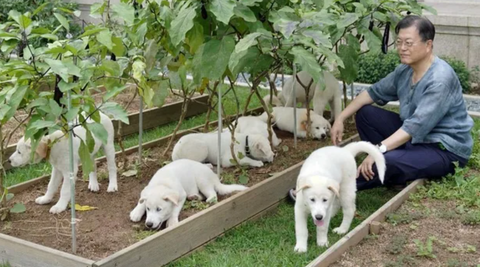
[254, 125]
[283, 119]
[203, 147]
[163, 198]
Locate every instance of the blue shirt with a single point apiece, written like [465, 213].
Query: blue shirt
[432, 110]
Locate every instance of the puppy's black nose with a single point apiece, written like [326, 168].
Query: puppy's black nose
[318, 217]
[323, 136]
[149, 224]
[9, 161]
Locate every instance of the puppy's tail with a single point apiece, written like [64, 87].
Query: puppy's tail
[224, 189]
[371, 150]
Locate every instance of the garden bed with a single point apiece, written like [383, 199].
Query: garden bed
[107, 229]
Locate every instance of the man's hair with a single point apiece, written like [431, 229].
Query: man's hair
[426, 30]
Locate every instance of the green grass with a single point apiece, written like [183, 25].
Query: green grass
[270, 240]
[18, 175]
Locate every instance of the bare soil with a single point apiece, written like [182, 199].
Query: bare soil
[122, 99]
[404, 234]
[108, 229]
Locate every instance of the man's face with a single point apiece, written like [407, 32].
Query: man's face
[410, 46]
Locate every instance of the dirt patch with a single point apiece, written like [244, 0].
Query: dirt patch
[108, 229]
[122, 99]
[427, 234]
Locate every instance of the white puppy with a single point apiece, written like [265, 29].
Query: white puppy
[203, 147]
[331, 95]
[327, 181]
[254, 125]
[58, 158]
[165, 194]
[283, 119]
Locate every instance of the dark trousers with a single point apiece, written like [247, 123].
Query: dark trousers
[407, 162]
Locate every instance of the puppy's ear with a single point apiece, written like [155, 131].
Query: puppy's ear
[172, 197]
[303, 186]
[303, 125]
[141, 201]
[261, 147]
[42, 148]
[335, 188]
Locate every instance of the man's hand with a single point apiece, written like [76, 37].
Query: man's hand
[366, 168]
[336, 132]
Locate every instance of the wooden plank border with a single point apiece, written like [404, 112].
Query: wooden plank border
[18, 252]
[199, 229]
[152, 118]
[361, 231]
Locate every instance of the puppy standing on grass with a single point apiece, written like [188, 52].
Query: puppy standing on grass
[165, 194]
[326, 182]
[58, 158]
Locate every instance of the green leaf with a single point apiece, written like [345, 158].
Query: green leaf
[125, 12]
[160, 93]
[151, 54]
[318, 37]
[116, 111]
[251, 2]
[114, 90]
[72, 113]
[349, 56]
[98, 131]
[308, 63]
[39, 9]
[215, 57]
[63, 21]
[111, 67]
[118, 48]
[10, 196]
[85, 158]
[91, 32]
[243, 179]
[138, 68]
[97, 9]
[286, 27]
[18, 208]
[245, 13]
[238, 61]
[65, 87]
[7, 111]
[194, 38]
[181, 24]
[428, 8]
[22, 20]
[247, 42]
[105, 38]
[347, 20]
[58, 67]
[42, 124]
[222, 9]
[55, 108]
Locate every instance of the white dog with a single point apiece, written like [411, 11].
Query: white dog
[58, 158]
[283, 119]
[331, 95]
[254, 125]
[165, 194]
[326, 182]
[203, 147]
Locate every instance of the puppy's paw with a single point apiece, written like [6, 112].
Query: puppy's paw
[57, 209]
[300, 248]
[94, 187]
[172, 222]
[135, 216]
[43, 200]
[340, 230]
[257, 164]
[323, 242]
[112, 188]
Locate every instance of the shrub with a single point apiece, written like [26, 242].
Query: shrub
[373, 68]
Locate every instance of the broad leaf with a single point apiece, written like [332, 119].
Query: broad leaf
[195, 38]
[72, 113]
[87, 162]
[112, 67]
[222, 9]
[247, 42]
[58, 67]
[18, 208]
[63, 21]
[98, 131]
[113, 89]
[151, 54]
[215, 57]
[105, 38]
[125, 12]
[347, 20]
[181, 24]
[251, 2]
[160, 93]
[41, 124]
[245, 13]
[286, 27]
[349, 56]
[97, 9]
[118, 48]
[308, 63]
[238, 61]
[55, 108]
[116, 111]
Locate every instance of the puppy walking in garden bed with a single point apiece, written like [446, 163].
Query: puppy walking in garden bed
[165, 194]
[57, 155]
[326, 182]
